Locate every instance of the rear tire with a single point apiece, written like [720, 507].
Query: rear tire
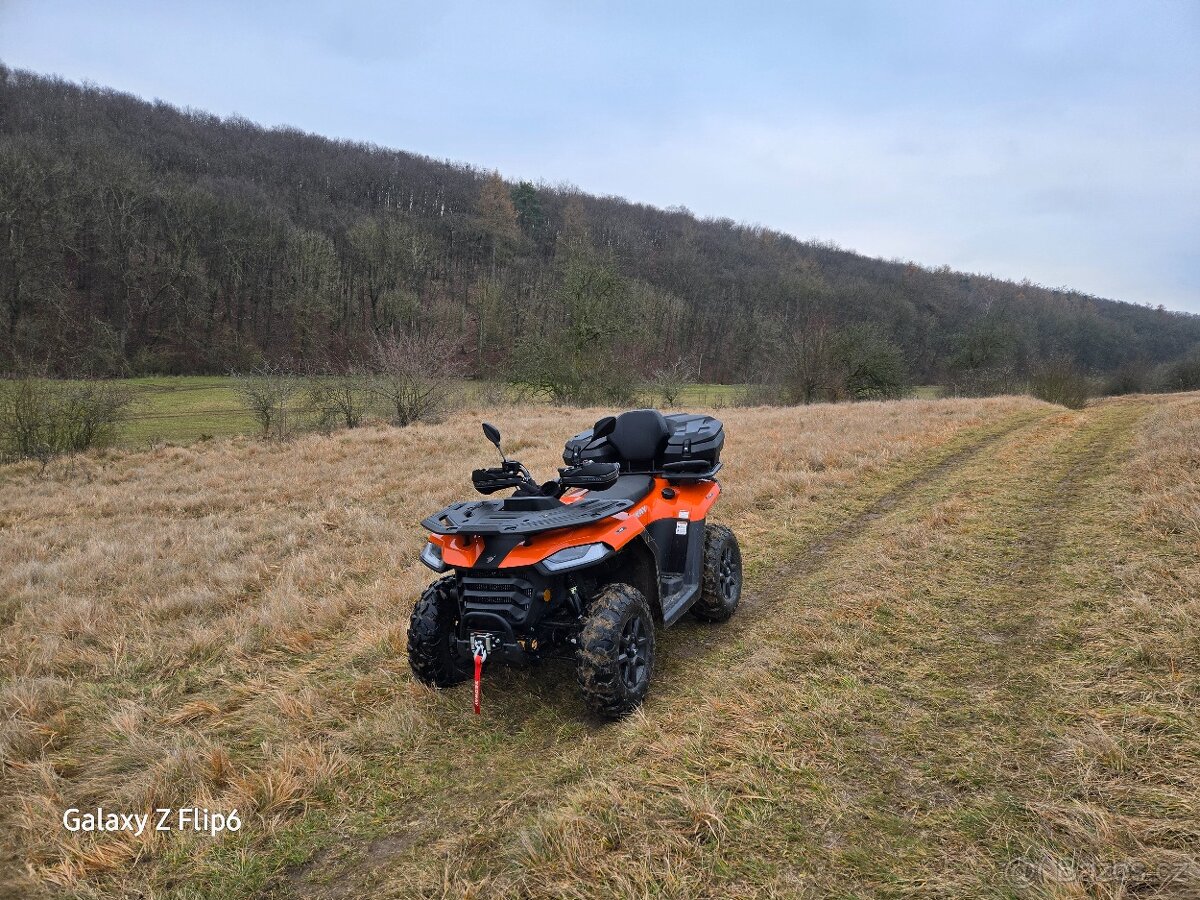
[615, 658]
[434, 620]
[722, 587]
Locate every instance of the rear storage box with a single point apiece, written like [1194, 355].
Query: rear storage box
[693, 438]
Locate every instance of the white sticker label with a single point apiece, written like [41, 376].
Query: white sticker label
[684, 514]
[681, 527]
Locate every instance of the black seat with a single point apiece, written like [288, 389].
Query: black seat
[638, 437]
[628, 487]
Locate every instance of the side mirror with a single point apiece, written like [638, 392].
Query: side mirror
[492, 433]
[603, 427]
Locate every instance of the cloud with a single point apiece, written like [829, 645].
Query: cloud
[1104, 209]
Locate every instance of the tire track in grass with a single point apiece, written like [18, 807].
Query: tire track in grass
[769, 589]
[939, 655]
[564, 757]
[816, 553]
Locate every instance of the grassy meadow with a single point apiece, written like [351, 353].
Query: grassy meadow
[965, 665]
[184, 409]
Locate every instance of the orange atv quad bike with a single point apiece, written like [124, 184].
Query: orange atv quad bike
[585, 567]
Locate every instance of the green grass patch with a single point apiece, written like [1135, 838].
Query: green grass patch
[185, 409]
[189, 408]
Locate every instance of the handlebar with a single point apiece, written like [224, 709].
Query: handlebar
[511, 475]
[591, 476]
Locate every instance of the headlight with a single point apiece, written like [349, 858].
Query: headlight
[574, 558]
[432, 556]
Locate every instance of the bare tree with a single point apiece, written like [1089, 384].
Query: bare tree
[812, 374]
[496, 209]
[414, 374]
[267, 393]
[670, 380]
[870, 365]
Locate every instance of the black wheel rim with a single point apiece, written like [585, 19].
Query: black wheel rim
[634, 654]
[730, 574]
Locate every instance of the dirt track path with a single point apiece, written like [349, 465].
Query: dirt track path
[957, 667]
[949, 723]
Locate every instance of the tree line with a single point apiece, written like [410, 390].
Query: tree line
[139, 238]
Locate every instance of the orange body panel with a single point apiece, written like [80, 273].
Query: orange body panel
[616, 531]
[458, 551]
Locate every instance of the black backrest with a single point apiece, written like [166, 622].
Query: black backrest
[639, 437]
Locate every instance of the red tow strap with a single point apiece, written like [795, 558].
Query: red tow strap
[478, 681]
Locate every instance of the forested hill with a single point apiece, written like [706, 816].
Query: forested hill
[136, 237]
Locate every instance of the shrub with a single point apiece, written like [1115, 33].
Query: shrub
[1060, 382]
[1181, 375]
[414, 374]
[267, 393]
[559, 374]
[859, 362]
[762, 394]
[870, 363]
[337, 401]
[985, 381]
[1130, 378]
[41, 418]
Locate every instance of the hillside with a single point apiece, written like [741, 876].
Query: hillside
[145, 239]
[964, 665]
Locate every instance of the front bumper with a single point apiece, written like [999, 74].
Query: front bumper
[505, 649]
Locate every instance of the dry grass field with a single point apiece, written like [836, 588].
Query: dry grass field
[966, 665]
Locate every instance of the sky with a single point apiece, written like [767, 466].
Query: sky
[1054, 141]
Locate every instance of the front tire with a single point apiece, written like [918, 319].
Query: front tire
[430, 631]
[722, 587]
[615, 658]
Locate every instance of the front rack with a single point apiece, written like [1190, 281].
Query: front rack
[486, 517]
